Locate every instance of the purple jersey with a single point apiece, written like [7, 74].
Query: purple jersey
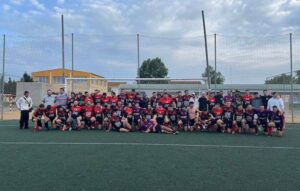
[277, 119]
[137, 112]
[228, 98]
[262, 116]
[147, 125]
[183, 114]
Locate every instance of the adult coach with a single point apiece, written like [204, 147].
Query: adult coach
[61, 99]
[24, 104]
[49, 99]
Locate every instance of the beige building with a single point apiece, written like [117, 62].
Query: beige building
[54, 78]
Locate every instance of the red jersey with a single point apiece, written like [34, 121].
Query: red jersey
[131, 95]
[217, 112]
[38, 112]
[51, 112]
[247, 99]
[113, 100]
[75, 110]
[88, 111]
[98, 111]
[160, 112]
[86, 99]
[105, 100]
[97, 98]
[165, 101]
[128, 111]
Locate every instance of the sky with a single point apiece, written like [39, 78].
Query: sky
[252, 36]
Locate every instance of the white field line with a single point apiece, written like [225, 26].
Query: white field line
[153, 144]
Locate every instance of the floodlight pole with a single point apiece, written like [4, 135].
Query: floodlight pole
[63, 47]
[72, 60]
[2, 83]
[206, 53]
[291, 76]
[138, 55]
[215, 43]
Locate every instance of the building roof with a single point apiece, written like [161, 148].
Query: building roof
[68, 70]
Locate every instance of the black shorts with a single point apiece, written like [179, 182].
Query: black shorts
[184, 122]
[228, 123]
[157, 128]
[160, 120]
[130, 120]
[136, 121]
[99, 119]
[192, 122]
[117, 127]
[263, 123]
[279, 126]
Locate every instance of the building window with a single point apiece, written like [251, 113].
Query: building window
[58, 80]
[43, 79]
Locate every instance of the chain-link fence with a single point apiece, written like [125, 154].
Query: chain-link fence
[249, 60]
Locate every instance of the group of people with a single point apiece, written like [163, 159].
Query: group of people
[235, 112]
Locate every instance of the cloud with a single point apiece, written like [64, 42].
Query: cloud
[38, 5]
[6, 7]
[252, 36]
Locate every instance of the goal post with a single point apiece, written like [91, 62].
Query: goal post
[146, 85]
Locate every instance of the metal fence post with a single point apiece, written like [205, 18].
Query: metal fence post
[2, 83]
[291, 76]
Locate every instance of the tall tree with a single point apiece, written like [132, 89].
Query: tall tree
[215, 76]
[10, 87]
[26, 78]
[153, 68]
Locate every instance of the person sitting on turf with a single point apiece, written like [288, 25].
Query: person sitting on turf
[182, 123]
[116, 124]
[239, 119]
[151, 126]
[98, 111]
[61, 118]
[37, 118]
[228, 113]
[250, 120]
[217, 123]
[88, 116]
[192, 114]
[50, 115]
[276, 121]
[262, 118]
[75, 117]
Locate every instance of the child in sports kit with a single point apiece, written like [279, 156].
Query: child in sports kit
[211, 101]
[246, 99]
[151, 126]
[262, 118]
[204, 120]
[97, 98]
[165, 101]
[217, 124]
[37, 118]
[239, 119]
[116, 124]
[172, 115]
[186, 98]
[75, 117]
[105, 100]
[154, 100]
[98, 112]
[50, 115]
[250, 120]
[276, 121]
[61, 118]
[148, 112]
[71, 99]
[182, 119]
[88, 116]
[228, 115]
[137, 116]
[160, 114]
[107, 113]
[113, 100]
[179, 100]
[128, 115]
[80, 99]
[122, 97]
[192, 114]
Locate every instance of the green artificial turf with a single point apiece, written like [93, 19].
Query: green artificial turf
[137, 167]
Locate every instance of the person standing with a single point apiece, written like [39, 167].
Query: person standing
[61, 99]
[48, 99]
[265, 98]
[24, 104]
[203, 102]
